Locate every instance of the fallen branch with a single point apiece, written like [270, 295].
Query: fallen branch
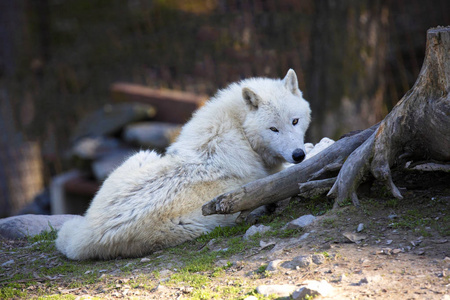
[284, 184]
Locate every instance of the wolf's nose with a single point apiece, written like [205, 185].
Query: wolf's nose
[298, 155]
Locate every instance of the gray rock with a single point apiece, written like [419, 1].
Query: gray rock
[280, 290]
[273, 265]
[354, 237]
[255, 229]
[154, 135]
[93, 147]
[360, 227]
[18, 227]
[301, 261]
[301, 222]
[318, 259]
[104, 166]
[312, 288]
[111, 118]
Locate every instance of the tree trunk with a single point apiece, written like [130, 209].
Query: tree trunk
[417, 127]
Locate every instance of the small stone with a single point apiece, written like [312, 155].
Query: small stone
[354, 237]
[301, 222]
[416, 242]
[145, 259]
[420, 251]
[318, 259]
[396, 251]
[388, 242]
[386, 251]
[221, 263]
[360, 227]
[392, 216]
[263, 244]
[312, 288]
[273, 265]
[256, 229]
[301, 261]
[282, 290]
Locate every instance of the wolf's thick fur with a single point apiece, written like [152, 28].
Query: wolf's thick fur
[150, 202]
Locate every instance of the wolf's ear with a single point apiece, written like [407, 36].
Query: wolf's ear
[291, 82]
[251, 98]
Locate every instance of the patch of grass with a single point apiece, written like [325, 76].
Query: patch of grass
[392, 203]
[202, 261]
[412, 219]
[237, 245]
[11, 293]
[65, 268]
[329, 223]
[223, 232]
[346, 202]
[61, 297]
[319, 205]
[45, 241]
[188, 278]
[443, 225]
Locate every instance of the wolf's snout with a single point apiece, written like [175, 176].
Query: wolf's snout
[298, 155]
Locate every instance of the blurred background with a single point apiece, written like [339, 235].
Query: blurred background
[59, 58]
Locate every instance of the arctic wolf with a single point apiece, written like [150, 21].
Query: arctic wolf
[246, 132]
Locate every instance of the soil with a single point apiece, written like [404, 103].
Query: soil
[402, 252]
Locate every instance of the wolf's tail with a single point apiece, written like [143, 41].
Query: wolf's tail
[75, 239]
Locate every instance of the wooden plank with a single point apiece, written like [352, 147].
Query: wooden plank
[172, 106]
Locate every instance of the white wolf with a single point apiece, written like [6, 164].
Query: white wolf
[244, 133]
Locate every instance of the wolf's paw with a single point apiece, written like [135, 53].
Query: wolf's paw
[317, 148]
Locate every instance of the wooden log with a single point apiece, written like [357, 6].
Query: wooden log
[171, 106]
[284, 184]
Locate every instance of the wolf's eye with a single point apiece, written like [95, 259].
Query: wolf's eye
[273, 129]
[294, 122]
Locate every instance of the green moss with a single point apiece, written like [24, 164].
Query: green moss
[11, 293]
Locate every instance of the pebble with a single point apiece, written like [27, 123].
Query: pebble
[318, 259]
[145, 259]
[301, 222]
[255, 229]
[360, 227]
[280, 290]
[302, 261]
[354, 237]
[273, 265]
[392, 216]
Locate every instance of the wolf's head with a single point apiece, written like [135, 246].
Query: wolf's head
[277, 118]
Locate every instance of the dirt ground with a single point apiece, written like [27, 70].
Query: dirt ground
[402, 252]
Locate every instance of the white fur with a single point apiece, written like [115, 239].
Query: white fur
[151, 201]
